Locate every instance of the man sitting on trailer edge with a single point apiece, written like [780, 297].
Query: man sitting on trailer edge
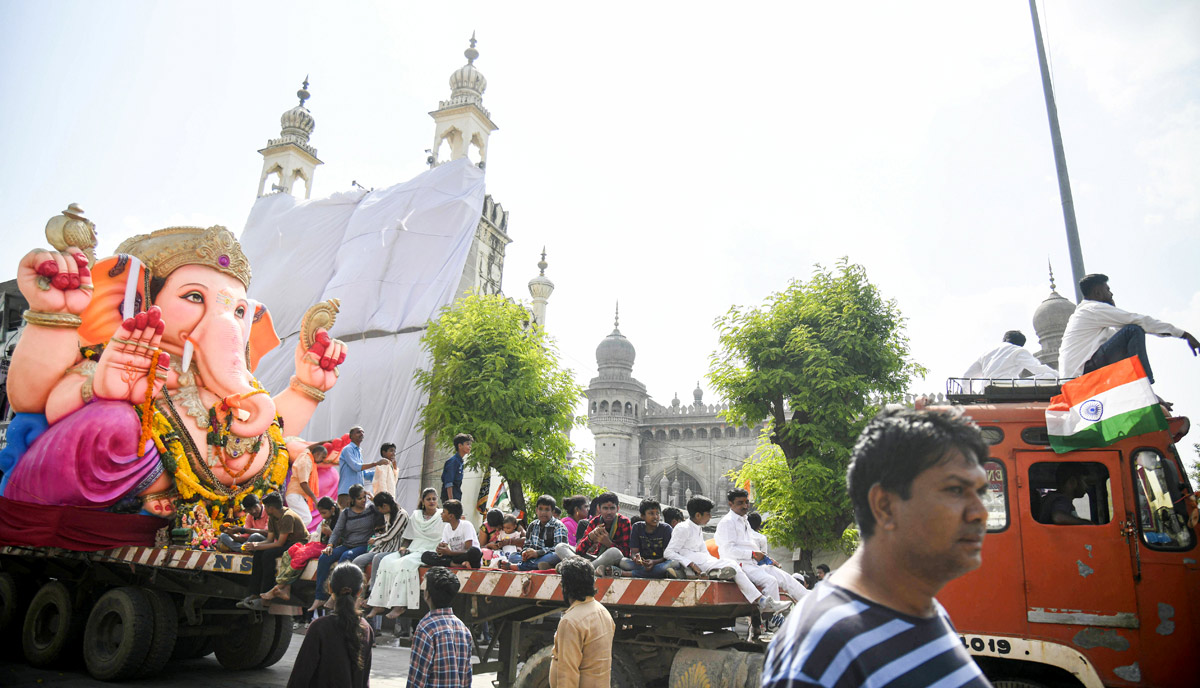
[916, 485]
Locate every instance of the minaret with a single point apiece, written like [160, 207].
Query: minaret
[462, 122]
[289, 158]
[616, 402]
[540, 288]
[1050, 322]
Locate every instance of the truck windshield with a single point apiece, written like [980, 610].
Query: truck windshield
[1162, 510]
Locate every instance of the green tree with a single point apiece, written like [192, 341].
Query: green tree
[810, 360]
[1194, 467]
[494, 374]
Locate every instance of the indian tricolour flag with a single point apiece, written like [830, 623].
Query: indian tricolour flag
[1104, 406]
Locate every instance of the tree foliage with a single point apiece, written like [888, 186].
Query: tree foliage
[810, 360]
[495, 375]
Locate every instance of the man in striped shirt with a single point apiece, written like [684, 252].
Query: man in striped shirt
[916, 486]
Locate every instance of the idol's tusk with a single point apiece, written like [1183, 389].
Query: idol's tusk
[135, 269]
[188, 350]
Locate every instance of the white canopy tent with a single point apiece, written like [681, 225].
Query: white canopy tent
[394, 257]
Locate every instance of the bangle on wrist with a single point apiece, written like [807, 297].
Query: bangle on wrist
[307, 390]
[63, 320]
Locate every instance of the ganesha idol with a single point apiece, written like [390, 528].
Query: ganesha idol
[134, 379]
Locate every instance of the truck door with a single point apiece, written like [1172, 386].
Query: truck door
[1077, 575]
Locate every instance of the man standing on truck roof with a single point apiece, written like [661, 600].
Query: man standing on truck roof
[1009, 361]
[916, 485]
[1099, 333]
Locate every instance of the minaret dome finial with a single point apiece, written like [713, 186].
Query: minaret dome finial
[303, 93]
[542, 264]
[1051, 274]
[471, 53]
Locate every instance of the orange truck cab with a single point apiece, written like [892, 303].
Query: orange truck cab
[1113, 603]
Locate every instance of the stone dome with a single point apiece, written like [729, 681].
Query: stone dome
[466, 80]
[298, 121]
[1051, 315]
[615, 350]
[698, 394]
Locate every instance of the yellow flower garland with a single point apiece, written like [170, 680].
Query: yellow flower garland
[189, 485]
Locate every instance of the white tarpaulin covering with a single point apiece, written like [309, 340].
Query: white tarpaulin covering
[394, 257]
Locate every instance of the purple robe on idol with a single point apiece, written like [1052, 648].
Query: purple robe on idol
[89, 459]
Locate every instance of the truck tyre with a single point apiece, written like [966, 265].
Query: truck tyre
[14, 601]
[166, 629]
[53, 627]
[118, 634]
[279, 646]
[535, 673]
[192, 647]
[247, 645]
[625, 672]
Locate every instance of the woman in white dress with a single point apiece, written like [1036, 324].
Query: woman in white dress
[398, 585]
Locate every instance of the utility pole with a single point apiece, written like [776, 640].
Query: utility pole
[1060, 158]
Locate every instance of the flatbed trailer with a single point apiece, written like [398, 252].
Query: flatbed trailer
[132, 609]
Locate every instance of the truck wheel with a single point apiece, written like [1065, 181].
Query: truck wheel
[53, 627]
[247, 645]
[192, 647]
[166, 629]
[118, 634]
[535, 673]
[279, 646]
[14, 601]
[625, 672]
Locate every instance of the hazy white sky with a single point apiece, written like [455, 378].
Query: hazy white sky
[679, 157]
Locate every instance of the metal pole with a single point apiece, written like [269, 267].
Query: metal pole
[1060, 158]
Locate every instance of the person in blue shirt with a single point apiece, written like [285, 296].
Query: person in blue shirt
[452, 471]
[350, 468]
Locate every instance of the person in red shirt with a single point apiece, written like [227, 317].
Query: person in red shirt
[255, 528]
[605, 541]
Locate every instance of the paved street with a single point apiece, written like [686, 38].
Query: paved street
[389, 670]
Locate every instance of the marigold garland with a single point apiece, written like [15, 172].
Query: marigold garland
[192, 489]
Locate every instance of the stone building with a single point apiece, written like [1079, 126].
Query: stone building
[646, 449]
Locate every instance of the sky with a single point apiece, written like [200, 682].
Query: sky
[681, 158]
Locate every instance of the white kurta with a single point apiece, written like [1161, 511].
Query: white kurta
[1009, 362]
[736, 541]
[398, 584]
[1092, 323]
[687, 546]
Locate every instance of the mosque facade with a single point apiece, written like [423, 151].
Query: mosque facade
[642, 447]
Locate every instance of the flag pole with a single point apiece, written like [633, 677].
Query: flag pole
[1060, 158]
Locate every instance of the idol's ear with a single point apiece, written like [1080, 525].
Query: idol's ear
[110, 282]
[263, 338]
